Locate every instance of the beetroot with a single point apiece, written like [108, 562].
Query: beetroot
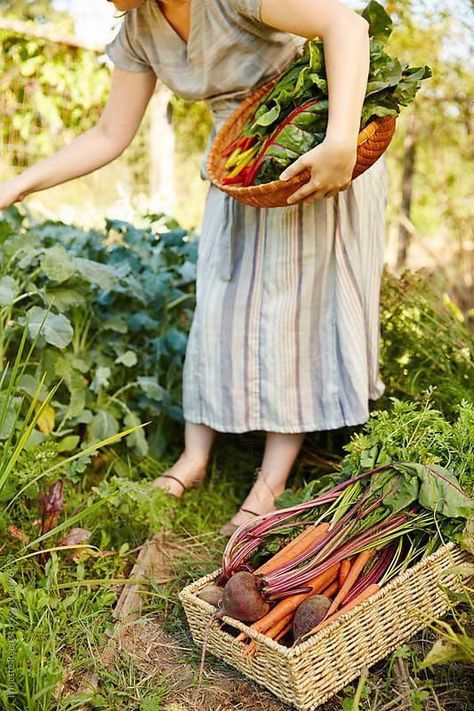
[242, 598]
[212, 594]
[310, 613]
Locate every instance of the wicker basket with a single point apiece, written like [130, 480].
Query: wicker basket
[373, 141]
[307, 675]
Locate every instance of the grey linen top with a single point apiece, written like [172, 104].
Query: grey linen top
[229, 51]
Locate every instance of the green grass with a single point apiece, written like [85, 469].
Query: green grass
[53, 620]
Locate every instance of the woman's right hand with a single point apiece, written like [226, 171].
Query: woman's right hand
[11, 191]
[129, 96]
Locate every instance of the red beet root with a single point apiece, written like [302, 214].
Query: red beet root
[242, 598]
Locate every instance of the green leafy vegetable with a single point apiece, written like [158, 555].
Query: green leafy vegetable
[380, 22]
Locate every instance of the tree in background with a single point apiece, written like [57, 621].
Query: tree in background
[432, 150]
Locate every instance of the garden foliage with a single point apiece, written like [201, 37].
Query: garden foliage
[112, 310]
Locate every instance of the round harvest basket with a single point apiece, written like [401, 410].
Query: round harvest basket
[373, 141]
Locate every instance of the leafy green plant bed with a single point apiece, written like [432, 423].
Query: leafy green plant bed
[112, 309]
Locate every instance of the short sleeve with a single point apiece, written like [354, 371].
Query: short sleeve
[125, 51]
[248, 8]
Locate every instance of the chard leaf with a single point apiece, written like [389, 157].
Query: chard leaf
[399, 490]
[320, 83]
[281, 152]
[377, 107]
[380, 22]
[271, 170]
[316, 56]
[409, 84]
[439, 490]
[269, 116]
[295, 138]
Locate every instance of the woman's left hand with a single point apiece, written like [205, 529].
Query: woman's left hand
[331, 165]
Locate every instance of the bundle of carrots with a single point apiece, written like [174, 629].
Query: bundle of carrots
[332, 593]
[336, 550]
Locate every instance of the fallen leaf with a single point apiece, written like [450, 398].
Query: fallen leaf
[18, 534]
[46, 419]
[444, 651]
[75, 537]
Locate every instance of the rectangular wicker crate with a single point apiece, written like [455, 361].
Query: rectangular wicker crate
[307, 675]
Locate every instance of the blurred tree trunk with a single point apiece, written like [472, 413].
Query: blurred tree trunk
[408, 173]
[162, 145]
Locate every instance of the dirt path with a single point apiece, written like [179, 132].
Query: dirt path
[159, 655]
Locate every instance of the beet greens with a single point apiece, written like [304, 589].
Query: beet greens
[292, 118]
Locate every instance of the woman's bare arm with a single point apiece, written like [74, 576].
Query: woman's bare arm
[346, 52]
[129, 96]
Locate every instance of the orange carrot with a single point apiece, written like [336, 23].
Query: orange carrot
[366, 593]
[351, 579]
[331, 590]
[273, 632]
[302, 542]
[276, 629]
[344, 571]
[284, 631]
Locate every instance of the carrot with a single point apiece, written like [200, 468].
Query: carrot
[331, 590]
[273, 632]
[302, 542]
[366, 593]
[356, 569]
[344, 571]
[284, 631]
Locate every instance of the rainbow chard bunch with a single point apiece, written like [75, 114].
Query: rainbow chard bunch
[292, 118]
[380, 521]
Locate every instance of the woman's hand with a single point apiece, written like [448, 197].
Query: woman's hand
[331, 165]
[11, 191]
[129, 96]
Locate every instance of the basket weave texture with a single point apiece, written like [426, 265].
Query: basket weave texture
[310, 673]
[373, 141]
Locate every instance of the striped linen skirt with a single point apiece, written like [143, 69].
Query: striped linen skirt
[285, 334]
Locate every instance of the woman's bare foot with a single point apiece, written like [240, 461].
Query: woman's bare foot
[186, 472]
[260, 500]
